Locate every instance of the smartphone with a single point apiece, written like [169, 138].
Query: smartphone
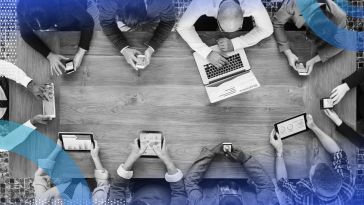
[77, 141]
[49, 107]
[141, 61]
[227, 147]
[149, 139]
[301, 69]
[326, 103]
[69, 67]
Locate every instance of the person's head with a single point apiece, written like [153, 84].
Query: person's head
[229, 193]
[134, 12]
[36, 13]
[325, 181]
[230, 16]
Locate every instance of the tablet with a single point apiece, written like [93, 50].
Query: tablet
[292, 126]
[149, 139]
[76, 141]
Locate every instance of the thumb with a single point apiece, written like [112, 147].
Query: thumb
[63, 57]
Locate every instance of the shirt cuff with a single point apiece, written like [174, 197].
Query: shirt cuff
[101, 174]
[46, 164]
[29, 125]
[204, 52]
[174, 177]
[122, 50]
[123, 173]
[25, 81]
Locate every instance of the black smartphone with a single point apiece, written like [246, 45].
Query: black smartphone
[292, 126]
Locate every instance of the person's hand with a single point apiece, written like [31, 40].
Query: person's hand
[276, 142]
[55, 61]
[77, 60]
[130, 55]
[333, 116]
[338, 93]
[148, 55]
[218, 149]
[162, 153]
[217, 59]
[311, 63]
[136, 151]
[225, 44]
[39, 91]
[235, 155]
[40, 119]
[95, 150]
[292, 59]
[310, 123]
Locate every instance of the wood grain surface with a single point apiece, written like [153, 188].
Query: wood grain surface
[105, 96]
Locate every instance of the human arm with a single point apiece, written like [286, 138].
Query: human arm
[21, 133]
[120, 184]
[263, 28]
[354, 80]
[327, 142]
[276, 142]
[101, 174]
[174, 176]
[196, 174]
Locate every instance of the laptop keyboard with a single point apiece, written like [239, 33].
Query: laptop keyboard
[234, 64]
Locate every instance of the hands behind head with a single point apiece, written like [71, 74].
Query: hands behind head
[130, 55]
[276, 141]
[55, 61]
[41, 92]
[40, 119]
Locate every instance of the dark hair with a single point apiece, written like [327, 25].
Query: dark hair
[36, 13]
[138, 202]
[326, 180]
[134, 12]
[230, 200]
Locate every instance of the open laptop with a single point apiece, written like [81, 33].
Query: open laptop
[229, 80]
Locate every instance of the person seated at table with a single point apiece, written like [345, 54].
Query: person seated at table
[327, 183]
[229, 15]
[12, 72]
[228, 192]
[289, 11]
[67, 189]
[354, 80]
[61, 15]
[356, 138]
[148, 193]
[154, 16]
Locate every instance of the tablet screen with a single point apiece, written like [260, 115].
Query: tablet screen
[77, 142]
[292, 126]
[149, 139]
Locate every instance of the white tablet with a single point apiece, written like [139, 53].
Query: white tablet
[149, 139]
[292, 126]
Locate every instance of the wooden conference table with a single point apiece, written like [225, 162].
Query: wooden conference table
[105, 96]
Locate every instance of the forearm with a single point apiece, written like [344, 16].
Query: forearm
[113, 33]
[327, 142]
[327, 51]
[171, 168]
[257, 173]
[161, 33]
[12, 72]
[281, 170]
[98, 164]
[351, 134]
[355, 79]
[35, 42]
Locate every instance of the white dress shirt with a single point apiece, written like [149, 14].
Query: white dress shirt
[12, 72]
[263, 25]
